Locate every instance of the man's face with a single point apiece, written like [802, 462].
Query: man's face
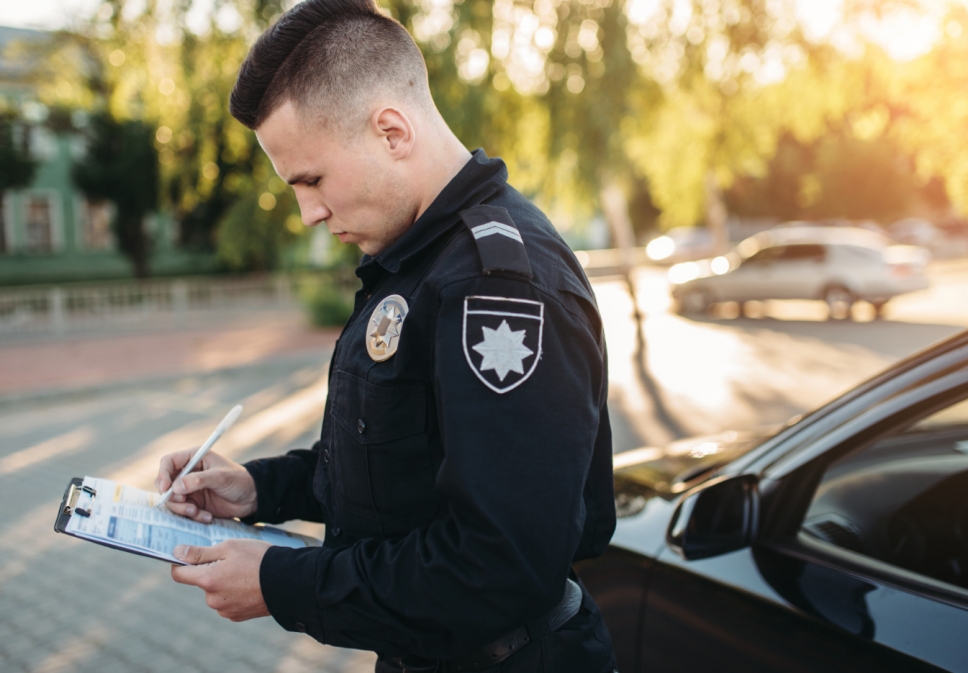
[350, 184]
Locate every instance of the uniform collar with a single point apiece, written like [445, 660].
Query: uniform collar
[477, 181]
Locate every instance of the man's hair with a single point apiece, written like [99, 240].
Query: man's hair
[329, 57]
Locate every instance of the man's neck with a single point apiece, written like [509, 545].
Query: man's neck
[443, 161]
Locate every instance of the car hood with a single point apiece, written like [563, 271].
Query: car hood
[648, 472]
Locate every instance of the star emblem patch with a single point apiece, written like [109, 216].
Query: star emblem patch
[502, 339]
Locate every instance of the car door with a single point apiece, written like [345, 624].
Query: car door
[750, 280]
[867, 569]
[798, 272]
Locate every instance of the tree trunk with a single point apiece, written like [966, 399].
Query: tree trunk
[615, 207]
[716, 214]
[133, 242]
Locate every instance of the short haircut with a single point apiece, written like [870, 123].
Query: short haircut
[329, 58]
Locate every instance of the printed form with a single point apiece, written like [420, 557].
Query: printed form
[126, 517]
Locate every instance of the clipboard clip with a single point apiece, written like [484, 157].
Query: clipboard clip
[70, 506]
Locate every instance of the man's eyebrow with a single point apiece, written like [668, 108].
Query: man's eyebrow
[302, 177]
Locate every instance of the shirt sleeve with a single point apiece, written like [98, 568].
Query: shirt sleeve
[284, 487]
[511, 482]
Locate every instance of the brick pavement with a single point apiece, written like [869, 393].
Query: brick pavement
[68, 605]
[91, 361]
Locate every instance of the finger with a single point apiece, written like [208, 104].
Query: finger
[192, 575]
[196, 481]
[190, 510]
[199, 555]
[170, 465]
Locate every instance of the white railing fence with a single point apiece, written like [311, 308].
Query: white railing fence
[59, 310]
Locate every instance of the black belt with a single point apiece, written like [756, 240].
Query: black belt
[502, 648]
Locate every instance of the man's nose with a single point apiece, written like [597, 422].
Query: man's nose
[312, 210]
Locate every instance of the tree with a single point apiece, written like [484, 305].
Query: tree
[667, 101]
[928, 109]
[121, 166]
[16, 167]
[255, 230]
[585, 98]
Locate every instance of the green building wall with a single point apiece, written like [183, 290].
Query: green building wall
[69, 259]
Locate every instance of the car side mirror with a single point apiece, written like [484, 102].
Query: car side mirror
[715, 518]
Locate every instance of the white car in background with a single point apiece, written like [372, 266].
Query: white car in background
[681, 244]
[917, 231]
[836, 265]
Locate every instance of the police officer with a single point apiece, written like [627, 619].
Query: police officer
[465, 456]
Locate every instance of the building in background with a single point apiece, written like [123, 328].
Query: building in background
[50, 231]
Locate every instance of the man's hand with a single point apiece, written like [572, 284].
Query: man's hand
[218, 487]
[228, 573]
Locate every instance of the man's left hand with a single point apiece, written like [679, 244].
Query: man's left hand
[228, 573]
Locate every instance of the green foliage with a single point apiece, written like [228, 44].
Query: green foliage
[574, 95]
[328, 304]
[16, 167]
[251, 237]
[836, 176]
[121, 166]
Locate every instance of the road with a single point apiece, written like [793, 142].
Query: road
[66, 605]
[678, 376]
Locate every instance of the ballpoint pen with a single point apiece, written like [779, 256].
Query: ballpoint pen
[226, 423]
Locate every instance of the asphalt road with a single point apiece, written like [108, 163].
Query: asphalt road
[66, 605]
[677, 376]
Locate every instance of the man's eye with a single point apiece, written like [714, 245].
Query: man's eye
[313, 182]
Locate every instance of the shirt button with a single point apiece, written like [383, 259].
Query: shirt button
[336, 531]
[325, 455]
[361, 426]
[300, 627]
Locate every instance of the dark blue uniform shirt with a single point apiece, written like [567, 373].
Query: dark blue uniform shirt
[460, 478]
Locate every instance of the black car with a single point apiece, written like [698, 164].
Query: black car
[838, 543]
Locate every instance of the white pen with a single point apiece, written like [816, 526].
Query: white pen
[226, 423]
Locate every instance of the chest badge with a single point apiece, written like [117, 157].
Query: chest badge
[385, 326]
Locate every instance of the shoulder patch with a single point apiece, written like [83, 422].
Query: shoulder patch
[498, 240]
[502, 339]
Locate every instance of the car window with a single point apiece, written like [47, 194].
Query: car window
[803, 253]
[903, 499]
[861, 253]
[765, 256]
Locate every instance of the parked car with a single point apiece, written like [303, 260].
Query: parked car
[838, 543]
[681, 244]
[836, 265]
[917, 231]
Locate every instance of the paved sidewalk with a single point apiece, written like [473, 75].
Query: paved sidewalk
[78, 363]
[68, 605]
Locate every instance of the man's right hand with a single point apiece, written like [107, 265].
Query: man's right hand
[218, 487]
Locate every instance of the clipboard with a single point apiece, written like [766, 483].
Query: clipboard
[69, 508]
[81, 500]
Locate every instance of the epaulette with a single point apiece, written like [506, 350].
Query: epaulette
[498, 241]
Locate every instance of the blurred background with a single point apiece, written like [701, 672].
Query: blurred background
[769, 197]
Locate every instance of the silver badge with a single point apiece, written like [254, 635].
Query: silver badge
[386, 323]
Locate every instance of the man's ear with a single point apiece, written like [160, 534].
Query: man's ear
[395, 131]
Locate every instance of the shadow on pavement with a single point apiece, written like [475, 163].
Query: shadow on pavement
[662, 414]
